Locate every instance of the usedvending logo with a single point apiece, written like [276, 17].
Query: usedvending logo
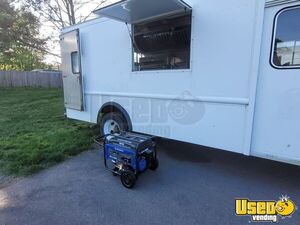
[266, 211]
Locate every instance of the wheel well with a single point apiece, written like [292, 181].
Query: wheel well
[114, 107]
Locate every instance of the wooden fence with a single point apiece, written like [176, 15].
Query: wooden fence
[31, 79]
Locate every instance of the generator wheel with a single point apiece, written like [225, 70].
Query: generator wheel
[114, 174]
[128, 178]
[154, 163]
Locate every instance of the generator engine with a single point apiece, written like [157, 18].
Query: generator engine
[129, 154]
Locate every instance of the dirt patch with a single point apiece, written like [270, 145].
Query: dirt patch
[7, 180]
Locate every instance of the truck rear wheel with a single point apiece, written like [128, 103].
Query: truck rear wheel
[113, 122]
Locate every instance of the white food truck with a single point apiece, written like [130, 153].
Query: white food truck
[222, 74]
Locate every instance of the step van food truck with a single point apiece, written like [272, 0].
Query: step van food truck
[222, 74]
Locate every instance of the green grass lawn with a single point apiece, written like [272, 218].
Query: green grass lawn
[34, 134]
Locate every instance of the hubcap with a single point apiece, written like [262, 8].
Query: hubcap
[111, 127]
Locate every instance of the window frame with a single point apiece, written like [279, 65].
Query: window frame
[275, 23]
[72, 62]
[157, 71]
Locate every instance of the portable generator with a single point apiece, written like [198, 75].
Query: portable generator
[129, 154]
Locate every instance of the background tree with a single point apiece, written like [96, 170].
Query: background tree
[63, 13]
[55, 15]
[21, 48]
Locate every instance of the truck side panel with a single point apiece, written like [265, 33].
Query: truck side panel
[215, 91]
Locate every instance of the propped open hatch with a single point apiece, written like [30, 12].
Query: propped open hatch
[136, 11]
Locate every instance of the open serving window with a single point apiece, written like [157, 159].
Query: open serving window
[161, 32]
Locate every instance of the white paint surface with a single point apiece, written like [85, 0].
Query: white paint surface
[226, 62]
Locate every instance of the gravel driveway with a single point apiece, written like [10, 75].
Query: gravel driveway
[192, 186]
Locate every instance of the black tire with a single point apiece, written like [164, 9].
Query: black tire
[117, 117]
[154, 163]
[128, 179]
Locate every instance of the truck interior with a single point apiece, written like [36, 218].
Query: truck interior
[162, 44]
[160, 32]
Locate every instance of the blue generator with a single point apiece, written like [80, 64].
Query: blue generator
[129, 154]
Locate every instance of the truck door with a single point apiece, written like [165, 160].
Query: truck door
[71, 70]
[277, 113]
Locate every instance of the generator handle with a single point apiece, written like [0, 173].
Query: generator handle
[100, 138]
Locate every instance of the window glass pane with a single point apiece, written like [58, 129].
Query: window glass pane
[163, 44]
[287, 41]
[75, 62]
